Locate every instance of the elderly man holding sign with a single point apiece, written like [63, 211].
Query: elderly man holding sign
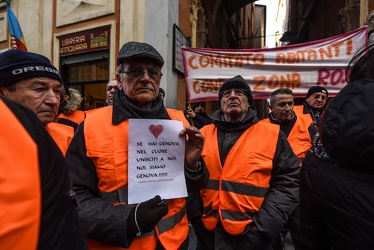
[99, 159]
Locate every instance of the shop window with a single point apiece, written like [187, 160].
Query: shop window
[88, 77]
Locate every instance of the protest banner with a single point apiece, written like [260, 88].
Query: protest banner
[297, 67]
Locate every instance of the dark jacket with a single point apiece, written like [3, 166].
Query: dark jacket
[97, 214]
[201, 119]
[59, 225]
[337, 177]
[279, 202]
[284, 176]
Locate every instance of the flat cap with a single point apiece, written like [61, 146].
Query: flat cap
[133, 50]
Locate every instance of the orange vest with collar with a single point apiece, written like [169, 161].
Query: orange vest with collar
[299, 137]
[299, 111]
[76, 116]
[61, 134]
[107, 146]
[236, 190]
[20, 189]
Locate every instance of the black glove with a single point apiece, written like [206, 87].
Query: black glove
[145, 216]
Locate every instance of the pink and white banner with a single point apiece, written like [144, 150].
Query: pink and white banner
[297, 67]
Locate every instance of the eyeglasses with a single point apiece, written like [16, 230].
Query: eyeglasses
[136, 74]
[109, 88]
[317, 96]
[237, 92]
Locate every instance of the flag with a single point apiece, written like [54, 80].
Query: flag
[17, 40]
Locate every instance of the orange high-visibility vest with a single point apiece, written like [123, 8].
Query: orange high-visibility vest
[107, 146]
[299, 111]
[299, 137]
[61, 134]
[76, 116]
[20, 190]
[236, 190]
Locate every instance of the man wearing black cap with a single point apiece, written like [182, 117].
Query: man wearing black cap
[98, 157]
[37, 204]
[253, 175]
[32, 81]
[315, 103]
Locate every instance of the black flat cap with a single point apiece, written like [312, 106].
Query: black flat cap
[133, 50]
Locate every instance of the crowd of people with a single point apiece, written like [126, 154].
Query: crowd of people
[305, 169]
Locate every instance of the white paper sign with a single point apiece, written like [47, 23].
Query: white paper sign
[156, 160]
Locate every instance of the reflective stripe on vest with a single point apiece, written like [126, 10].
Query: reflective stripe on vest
[111, 161]
[236, 190]
[166, 224]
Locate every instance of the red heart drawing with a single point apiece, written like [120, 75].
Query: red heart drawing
[156, 130]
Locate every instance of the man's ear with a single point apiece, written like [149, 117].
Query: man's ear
[119, 81]
[270, 107]
[4, 92]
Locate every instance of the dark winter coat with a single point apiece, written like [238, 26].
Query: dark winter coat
[337, 177]
[59, 223]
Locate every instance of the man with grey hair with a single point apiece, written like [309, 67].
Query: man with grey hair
[299, 131]
[98, 158]
[253, 175]
[32, 81]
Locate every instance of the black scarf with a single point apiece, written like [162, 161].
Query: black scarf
[157, 109]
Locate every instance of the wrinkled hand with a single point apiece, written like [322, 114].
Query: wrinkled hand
[194, 146]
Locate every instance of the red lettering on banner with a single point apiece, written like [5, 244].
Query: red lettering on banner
[302, 54]
[290, 81]
[336, 47]
[209, 61]
[312, 55]
[207, 86]
[323, 53]
[349, 46]
[190, 62]
[292, 57]
[296, 57]
[331, 77]
[333, 50]
[259, 59]
[203, 61]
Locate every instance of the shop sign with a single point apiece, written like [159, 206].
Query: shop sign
[85, 41]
